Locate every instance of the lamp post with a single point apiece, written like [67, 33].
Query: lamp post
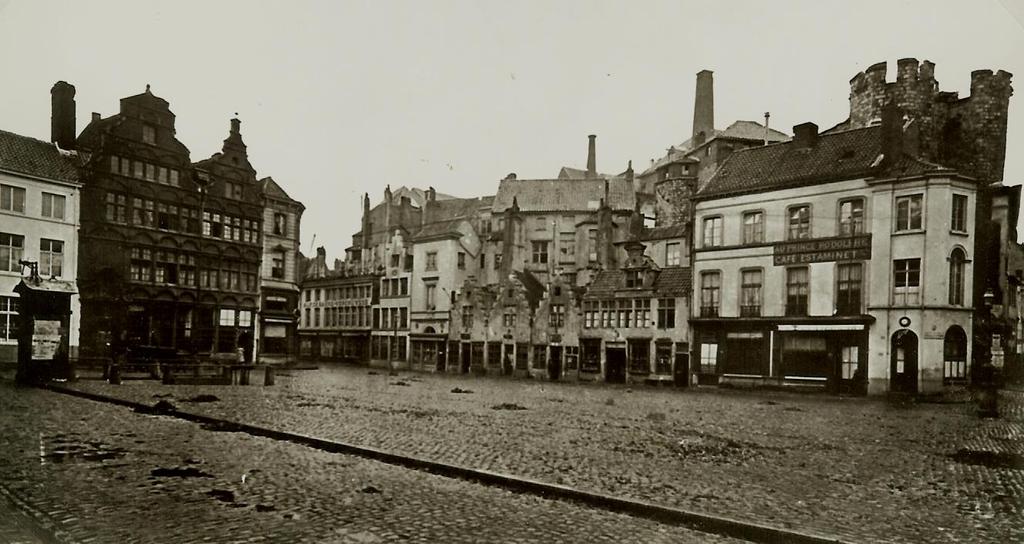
[987, 389]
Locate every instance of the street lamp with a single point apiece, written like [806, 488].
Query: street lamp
[987, 390]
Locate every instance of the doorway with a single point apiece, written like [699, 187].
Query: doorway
[508, 361]
[682, 370]
[465, 359]
[555, 363]
[615, 365]
[903, 367]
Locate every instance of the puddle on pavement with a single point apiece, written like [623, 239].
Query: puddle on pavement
[179, 472]
[989, 459]
[61, 448]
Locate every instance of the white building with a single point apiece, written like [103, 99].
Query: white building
[835, 260]
[38, 222]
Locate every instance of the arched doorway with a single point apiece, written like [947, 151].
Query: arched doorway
[954, 351]
[903, 368]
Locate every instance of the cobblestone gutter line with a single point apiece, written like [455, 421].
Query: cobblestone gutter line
[753, 532]
[36, 521]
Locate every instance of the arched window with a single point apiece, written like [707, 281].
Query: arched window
[954, 349]
[956, 277]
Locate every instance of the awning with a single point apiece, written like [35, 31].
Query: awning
[822, 327]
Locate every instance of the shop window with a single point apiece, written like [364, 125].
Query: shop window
[850, 361]
[799, 223]
[908, 212]
[851, 217]
[797, 291]
[639, 356]
[848, 288]
[540, 355]
[708, 358]
[591, 361]
[663, 358]
[906, 281]
[572, 357]
[753, 227]
[954, 355]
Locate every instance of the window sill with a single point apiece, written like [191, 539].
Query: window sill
[908, 232]
[962, 233]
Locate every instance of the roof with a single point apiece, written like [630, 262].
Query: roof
[416, 195]
[534, 288]
[439, 229]
[271, 188]
[605, 283]
[740, 130]
[568, 172]
[662, 233]
[838, 155]
[450, 213]
[671, 281]
[563, 195]
[34, 157]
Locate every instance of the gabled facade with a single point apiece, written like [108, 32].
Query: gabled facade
[170, 250]
[336, 311]
[277, 335]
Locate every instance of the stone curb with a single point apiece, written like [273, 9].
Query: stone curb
[707, 523]
[39, 523]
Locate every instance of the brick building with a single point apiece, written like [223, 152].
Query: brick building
[279, 274]
[39, 203]
[170, 249]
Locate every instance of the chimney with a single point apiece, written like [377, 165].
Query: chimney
[704, 106]
[805, 135]
[767, 115]
[592, 157]
[892, 132]
[629, 172]
[96, 116]
[62, 115]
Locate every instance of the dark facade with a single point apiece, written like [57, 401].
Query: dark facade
[170, 249]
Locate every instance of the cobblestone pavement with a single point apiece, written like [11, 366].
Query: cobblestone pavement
[15, 526]
[93, 472]
[864, 470]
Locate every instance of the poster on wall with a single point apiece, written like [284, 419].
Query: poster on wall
[45, 340]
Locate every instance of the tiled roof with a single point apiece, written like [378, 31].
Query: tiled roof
[34, 157]
[459, 207]
[604, 284]
[416, 195]
[834, 156]
[662, 233]
[440, 228]
[533, 286]
[742, 130]
[673, 281]
[556, 195]
[568, 172]
[271, 188]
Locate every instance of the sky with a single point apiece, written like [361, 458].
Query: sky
[341, 98]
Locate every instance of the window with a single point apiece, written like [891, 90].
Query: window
[634, 278]
[227, 318]
[851, 217]
[954, 351]
[117, 208]
[280, 224]
[541, 224]
[149, 134]
[431, 298]
[53, 206]
[959, 220]
[672, 254]
[431, 264]
[138, 169]
[567, 247]
[592, 245]
[712, 231]
[12, 198]
[639, 356]
[666, 313]
[750, 293]
[850, 361]
[710, 292]
[796, 291]
[277, 266]
[708, 358]
[799, 223]
[753, 227]
[908, 212]
[51, 258]
[556, 315]
[540, 252]
[957, 260]
[848, 281]
[467, 317]
[12, 248]
[403, 286]
[497, 261]
[906, 281]
[663, 358]
[483, 261]
[462, 261]
[8, 319]
[233, 190]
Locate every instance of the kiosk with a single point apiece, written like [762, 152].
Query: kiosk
[44, 314]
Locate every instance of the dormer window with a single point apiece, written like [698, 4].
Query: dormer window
[633, 279]
[149, 134]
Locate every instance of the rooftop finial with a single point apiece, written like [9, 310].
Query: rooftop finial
[147, 87]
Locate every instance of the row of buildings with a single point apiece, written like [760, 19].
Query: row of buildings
[169, 255]
[874, 256]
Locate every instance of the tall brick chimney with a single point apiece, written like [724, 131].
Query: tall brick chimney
[805, 135]
[592, 157]
[62, 114]
[704, 107]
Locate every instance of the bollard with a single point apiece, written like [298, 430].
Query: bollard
[268, 377]
[114, 376]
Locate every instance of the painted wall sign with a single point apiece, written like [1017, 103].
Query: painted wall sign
[821, 250]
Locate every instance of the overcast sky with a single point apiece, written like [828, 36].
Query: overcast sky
[338, 98]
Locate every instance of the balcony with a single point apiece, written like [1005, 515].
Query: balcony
[709, 311]
[750, 311]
